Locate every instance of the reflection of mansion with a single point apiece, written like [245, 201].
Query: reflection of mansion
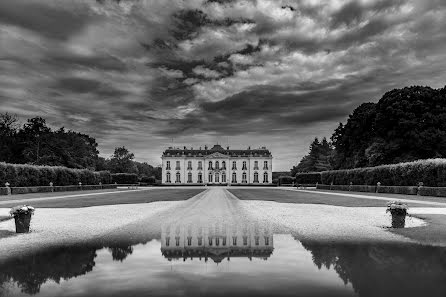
[216, 166]
[217, 242]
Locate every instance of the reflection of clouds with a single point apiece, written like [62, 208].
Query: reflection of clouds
[216, 241]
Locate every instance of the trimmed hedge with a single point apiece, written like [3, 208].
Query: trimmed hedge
[149, 180]
[286, 180]
[431, 172]
[23, 175]
[124, 178]
[308, 178]
[430, 191]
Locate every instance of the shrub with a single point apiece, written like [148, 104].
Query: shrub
[150, 180]
[308, 178]
[124, 178]
[429, 191]
[431, 172]
[23, 175]
[286, 180]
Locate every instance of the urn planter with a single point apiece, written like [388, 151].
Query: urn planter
[398, 211]
[22, 216]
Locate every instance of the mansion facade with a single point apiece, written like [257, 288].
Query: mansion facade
[216, 166]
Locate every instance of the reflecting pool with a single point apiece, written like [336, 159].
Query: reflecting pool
[245, 260]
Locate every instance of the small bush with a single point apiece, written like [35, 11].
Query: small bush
[124, 178]
[308, 178]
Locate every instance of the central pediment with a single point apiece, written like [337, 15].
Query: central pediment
[216, 156]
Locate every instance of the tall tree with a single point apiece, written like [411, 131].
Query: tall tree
[8, 134]
[122, 161]
[318, 159]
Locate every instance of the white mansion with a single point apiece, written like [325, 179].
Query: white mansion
[216, 166]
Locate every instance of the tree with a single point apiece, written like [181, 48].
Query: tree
[318, 159]
[122, 161]
[8, 134]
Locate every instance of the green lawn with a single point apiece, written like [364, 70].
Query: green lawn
[313, 198]
[433, 233]
[146, 196]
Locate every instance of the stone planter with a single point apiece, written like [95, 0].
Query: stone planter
[398, 218]
[22, 222]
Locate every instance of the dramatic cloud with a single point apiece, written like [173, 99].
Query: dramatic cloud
[148, 73]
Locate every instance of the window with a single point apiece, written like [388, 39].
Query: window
[178, 180]
[244, 166]
[217, 241]
[210, 165]
[210, 177]
[168, 165]
[266, 240]
[189, 241]
[224, 241]
[189, 177]
[217, 178]
[200, 241]
[167, 241]
[245, 240]
[256, 177]
[200, 165]
[265, 165]
[256, 165]
[177, 241]
[200, 178]
[168, 177]
[234, 240]
[234, 177]
[223, 177]
[210, 241]
[244, 178]
[223, 165]
[234, 165]
[178, 166]
[256, 240]
[217, 165]
[265, 177]
[189, 165]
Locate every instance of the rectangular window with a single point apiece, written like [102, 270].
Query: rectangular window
[265, 165]
[210, 177]
[200, 241]
[244, 166]
[168, 165]
[234, 240]
[200, 178]
[210, 165]
[256, 240]
[189, 178]
[245, 240]
[234, 165]
[256, 165]
[178, 166]
[224, 241]
[210, 241]
[217, 241]
[189, 241]
[200, 165]
[234, 178]
[167, 241]
[223, 178]
[177, 241]
[189, 165]
[266, 240]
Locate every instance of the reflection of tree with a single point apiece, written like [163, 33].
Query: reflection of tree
[120, 253]
[385, 270]
[30, 272]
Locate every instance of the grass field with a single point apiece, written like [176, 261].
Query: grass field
[113, 198]
[314, 198]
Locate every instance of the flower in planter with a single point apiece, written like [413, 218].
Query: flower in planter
[397, 207]
[18, 210]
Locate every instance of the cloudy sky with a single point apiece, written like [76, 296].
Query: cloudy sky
[151, 73]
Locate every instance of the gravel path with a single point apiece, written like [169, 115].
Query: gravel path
[139, 222]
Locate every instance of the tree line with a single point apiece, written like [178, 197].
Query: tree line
[37, 144]
[404, 125]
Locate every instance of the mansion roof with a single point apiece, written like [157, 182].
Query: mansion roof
[190, 152]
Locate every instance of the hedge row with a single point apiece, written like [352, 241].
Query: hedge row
[47, 189]
[286, 180]
[308, 178]
[22, 175]
[430, 172]
[124, 178]
[407, 190]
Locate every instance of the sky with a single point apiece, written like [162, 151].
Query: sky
[150, 74]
